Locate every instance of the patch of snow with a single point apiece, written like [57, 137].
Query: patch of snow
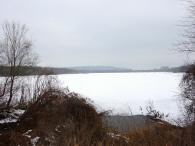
[8, 120]
[57, 129]
[27, 133]
[161, 123]
[11, 116]
[118, 136]
[19, 112]
[111, 134]
[34, 140]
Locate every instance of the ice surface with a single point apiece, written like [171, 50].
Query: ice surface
[121, 92]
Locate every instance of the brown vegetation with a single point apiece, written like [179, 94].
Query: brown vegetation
[61, 118]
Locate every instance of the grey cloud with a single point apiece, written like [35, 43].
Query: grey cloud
[127, 33]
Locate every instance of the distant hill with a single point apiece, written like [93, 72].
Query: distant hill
[166, 69]
[23, 71]
[36, 70]
[99, 69]
[110, 69]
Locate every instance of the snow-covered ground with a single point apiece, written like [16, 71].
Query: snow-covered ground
[124, 93]
[121, 92]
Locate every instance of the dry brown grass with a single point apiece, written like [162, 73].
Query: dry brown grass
[163, 135]
[61, 119]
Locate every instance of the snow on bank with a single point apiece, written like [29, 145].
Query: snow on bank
[11, 116]
[33, 140]
[8, 120]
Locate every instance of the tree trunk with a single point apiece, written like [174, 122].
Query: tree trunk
[10, 92]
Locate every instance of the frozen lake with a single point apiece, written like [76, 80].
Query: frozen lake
[121, 92]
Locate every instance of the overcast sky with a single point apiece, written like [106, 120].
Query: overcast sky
[121, 33]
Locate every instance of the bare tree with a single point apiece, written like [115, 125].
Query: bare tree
[188, 94]
[15, 53]
[188, 43]
[188, 81]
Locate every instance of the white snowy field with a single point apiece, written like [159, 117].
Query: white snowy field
[121, 92]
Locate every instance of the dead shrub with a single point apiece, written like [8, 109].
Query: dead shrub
[60, 118]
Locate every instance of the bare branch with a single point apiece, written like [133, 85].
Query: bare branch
[15, 53]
